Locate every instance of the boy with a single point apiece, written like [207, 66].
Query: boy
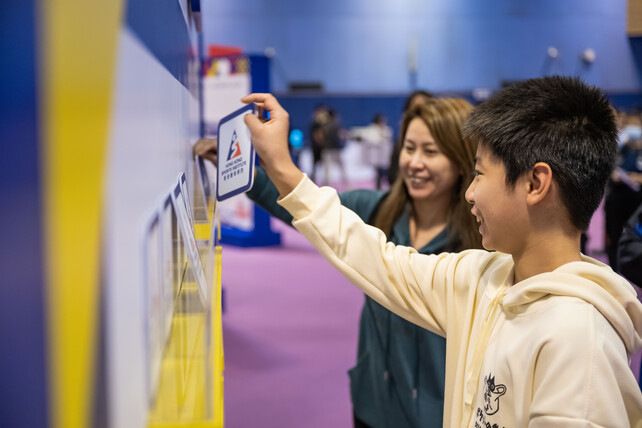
[537, 334]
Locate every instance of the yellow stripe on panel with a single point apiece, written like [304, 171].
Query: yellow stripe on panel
[217, 340]
[78, 42]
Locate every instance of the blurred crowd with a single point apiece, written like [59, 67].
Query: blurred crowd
[623, 201]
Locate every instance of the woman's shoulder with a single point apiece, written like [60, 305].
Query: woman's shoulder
[362, 201]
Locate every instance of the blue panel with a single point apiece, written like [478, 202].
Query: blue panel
[22, 334]
[636, 48]
[161, 27]
[261, 234]
[260, 72]
[628, 102]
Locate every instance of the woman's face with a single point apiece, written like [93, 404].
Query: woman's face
[428, 173]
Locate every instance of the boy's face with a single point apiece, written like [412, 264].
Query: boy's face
[500, 211]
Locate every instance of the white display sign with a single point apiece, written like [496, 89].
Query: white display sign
[235, 169]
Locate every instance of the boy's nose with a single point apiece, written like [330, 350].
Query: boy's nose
[470, 194]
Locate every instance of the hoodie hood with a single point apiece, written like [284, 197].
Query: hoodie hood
[593, 282]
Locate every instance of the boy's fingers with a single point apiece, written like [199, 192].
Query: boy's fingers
[252, 122]
[266, 101]
[255, 98]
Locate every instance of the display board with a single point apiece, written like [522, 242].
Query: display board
[124, 317]
[226, 79]
[160, 359]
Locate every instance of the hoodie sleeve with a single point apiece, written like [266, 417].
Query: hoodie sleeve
[421, 288]
[265, 194]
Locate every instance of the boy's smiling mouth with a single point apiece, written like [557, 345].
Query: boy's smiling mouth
[478, 218]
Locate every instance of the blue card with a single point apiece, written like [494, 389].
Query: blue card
[235, 169]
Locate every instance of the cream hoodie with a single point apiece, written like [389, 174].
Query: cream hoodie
[550, 351]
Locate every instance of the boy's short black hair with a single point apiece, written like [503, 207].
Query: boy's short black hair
[557, 120]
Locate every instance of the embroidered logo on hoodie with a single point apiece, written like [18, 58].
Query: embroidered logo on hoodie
[492, 394]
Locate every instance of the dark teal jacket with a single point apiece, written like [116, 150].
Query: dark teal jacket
[399, 377]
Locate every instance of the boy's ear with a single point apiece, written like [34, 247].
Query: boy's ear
[540, 179]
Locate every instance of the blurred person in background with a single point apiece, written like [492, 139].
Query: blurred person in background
[630, 253]
[400, 373]
[630, 249]
[334, 143]
[377, 146]
[624, 190]
[320, 118]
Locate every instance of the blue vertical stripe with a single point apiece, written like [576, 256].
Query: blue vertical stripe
[23, 383]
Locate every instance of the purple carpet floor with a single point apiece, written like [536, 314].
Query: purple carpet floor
[290, 335]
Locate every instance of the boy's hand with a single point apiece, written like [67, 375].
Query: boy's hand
[270, 140]
[207, 148]
[269, 137]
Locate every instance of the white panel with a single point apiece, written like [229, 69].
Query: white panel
[222, 95]
[184, 8]
[154, 124]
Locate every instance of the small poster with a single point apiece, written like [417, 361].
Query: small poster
[153, 313]
[183, 182]
[204, 179]
[185, 224]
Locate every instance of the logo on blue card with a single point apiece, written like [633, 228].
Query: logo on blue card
[235, 148]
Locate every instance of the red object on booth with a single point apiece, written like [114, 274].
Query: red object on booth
[221, 50]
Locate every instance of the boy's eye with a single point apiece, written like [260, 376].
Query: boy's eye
[476, 173]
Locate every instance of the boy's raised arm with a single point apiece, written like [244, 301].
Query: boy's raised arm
[417, 287]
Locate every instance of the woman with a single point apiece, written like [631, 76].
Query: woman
[399, 377]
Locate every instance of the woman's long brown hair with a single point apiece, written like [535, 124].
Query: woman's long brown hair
[444, 118]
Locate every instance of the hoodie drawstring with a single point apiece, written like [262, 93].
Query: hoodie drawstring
[386, 368]
[474, 369]
[415, 382]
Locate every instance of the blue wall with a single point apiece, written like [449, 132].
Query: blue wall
[362, 46]
[359, 110]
